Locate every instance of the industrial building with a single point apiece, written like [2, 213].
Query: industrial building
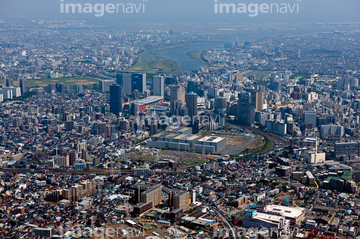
[179, 139]
[171, 140]
[210, 144]
[312, 157]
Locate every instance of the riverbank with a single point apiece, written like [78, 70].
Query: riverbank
[197, 55]
[189, 57]
[151, 62]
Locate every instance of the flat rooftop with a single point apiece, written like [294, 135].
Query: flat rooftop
[289, 212]
[347, 143]
[178, 129]
[309, 175]
[166, 135]
[203, 221]
[267, 217]
[187, 137]
[213, 139]
[149, 100]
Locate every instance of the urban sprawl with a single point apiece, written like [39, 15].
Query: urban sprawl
[260, 142]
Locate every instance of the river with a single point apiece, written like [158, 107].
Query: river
[186, 63]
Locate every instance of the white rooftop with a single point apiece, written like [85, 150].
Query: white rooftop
[289, 212]
[214, 139]
[267, 217]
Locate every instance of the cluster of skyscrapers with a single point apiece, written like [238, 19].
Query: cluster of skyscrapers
[134, 84]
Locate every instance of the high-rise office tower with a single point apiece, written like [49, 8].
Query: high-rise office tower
[60, 87]
[176, 93]
[72, 157]
[220, 110]
[134, 108]
[259, 100]
[275, 83]
[192, 86]
[220, 105]
[170, 80]
[35, 71]
[23, 86]
[191, 103]
[119, 78]
[80, 89]
[176, 107]
[52, 88]
[158, 85]
[104, 85]
[309, 116]
[115, 99]
[246, 109]
[126, 84]
[138, 82]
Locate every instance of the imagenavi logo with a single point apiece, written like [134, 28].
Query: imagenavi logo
[254, 9]
[100, 9]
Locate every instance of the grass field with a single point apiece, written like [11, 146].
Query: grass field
[67, 81]
[151, 62]
[258, 144]
[196, 55]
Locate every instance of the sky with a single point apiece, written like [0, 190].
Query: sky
[185, 11]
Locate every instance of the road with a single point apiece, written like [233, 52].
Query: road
[226, 223]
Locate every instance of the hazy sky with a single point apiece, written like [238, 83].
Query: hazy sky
[185, 11]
